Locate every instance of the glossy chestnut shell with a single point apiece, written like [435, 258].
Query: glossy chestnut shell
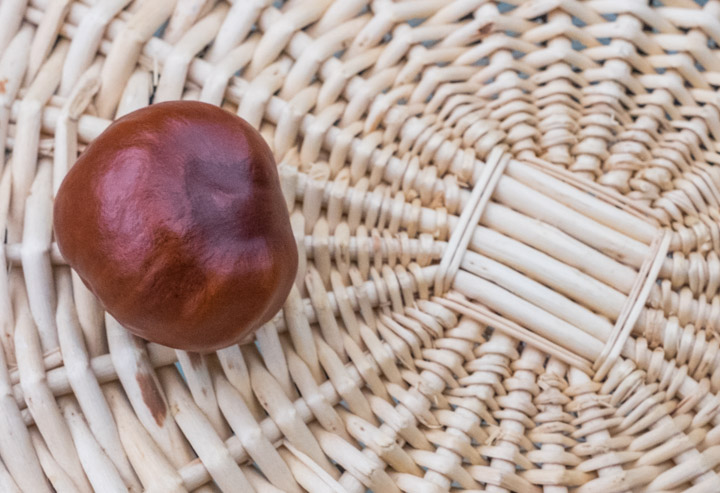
[175, 219]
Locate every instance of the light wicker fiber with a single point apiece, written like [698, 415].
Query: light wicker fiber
[507, 218]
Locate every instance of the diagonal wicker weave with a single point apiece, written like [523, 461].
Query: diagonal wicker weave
[507, 218]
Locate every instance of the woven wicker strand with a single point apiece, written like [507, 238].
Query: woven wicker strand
[508, 222]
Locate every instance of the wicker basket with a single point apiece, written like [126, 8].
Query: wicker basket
[507, 218]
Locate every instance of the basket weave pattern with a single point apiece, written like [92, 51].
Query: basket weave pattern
[508, 223]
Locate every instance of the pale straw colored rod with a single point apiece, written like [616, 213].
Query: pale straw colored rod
[199, 433]
[53, 360]
[490, 246]
[45, 145]
[12, 70]
[86, 389]
[40, 400]
[16, 448]
[51, 470]
[525, 313]
[469, 218]
[487, 317]
[89, 127]
[633, 306]
[508, 264]
[102, 367]
[100, 470]
[508, 190]
[607, 194]
[195, 474]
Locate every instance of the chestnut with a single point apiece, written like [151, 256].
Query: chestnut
[175, 219]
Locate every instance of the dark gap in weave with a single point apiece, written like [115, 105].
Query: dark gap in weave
[488, 332]
[161, 30]
[521, 345]
[152, 93]
[203, 52]
[504, 7]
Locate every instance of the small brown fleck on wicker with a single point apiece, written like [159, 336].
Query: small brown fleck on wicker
[152, 397]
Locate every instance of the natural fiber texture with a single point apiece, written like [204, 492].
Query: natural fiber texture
[508, 223]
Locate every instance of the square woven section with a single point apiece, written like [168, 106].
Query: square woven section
[507, 215]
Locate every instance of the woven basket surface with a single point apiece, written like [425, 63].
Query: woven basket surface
[507, 217]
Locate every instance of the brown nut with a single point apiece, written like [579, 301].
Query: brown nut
[175, 219]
